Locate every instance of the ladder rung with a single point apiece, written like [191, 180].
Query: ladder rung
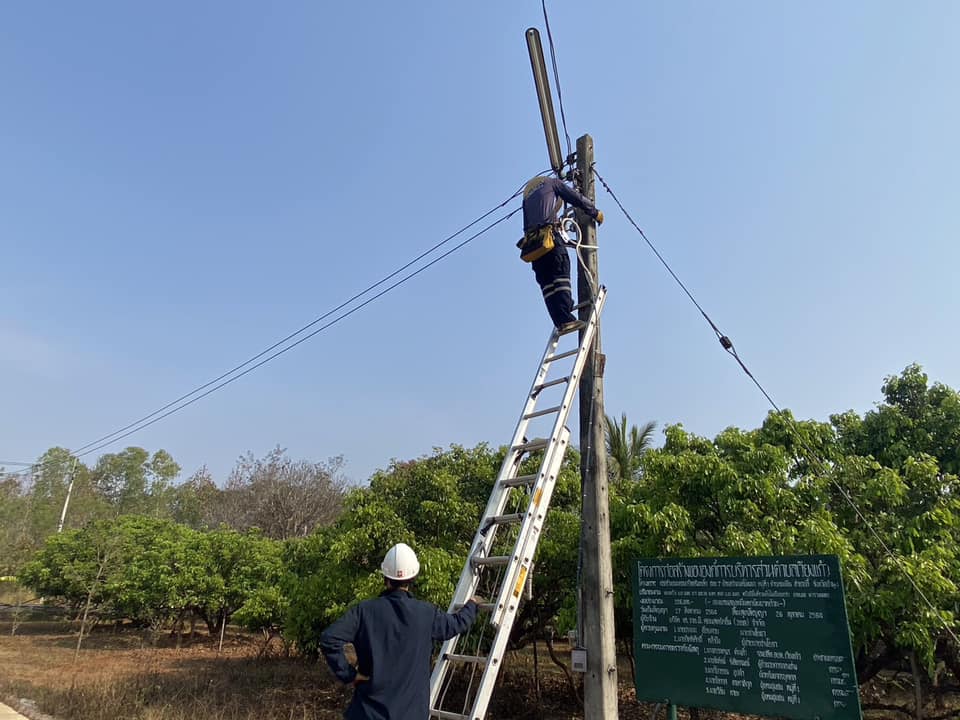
[563, 355]
[444, 715]
[477, 659]
[519, 480]
[548, 411]
[492, 560]
[486, 607]
[541, 386]
[535, 444]
[511, 518]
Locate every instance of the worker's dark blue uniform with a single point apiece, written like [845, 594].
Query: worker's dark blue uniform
[393, 636]
[553, 269]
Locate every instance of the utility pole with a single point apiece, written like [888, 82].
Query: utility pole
[596, 626]
[596, 594]
[66, 502]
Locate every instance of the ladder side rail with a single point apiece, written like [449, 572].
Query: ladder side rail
[528, 537]
[469, 576]
[482, 542]
[507, 603]
[508, 469]
[522, 555]
[499, 645]
[558, 434]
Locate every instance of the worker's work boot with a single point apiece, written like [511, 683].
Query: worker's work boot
[569, 327]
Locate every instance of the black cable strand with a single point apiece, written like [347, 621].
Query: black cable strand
[813, 454]
[38, 468]
[297, 332]
[725, 341]
[301, 340]
[556, 77]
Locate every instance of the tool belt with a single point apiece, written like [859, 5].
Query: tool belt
[537, 243]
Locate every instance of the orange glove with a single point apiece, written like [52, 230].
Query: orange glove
[599, 217]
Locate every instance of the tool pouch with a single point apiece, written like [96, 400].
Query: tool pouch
[536, 243]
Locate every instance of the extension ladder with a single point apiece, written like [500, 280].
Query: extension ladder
[511, 572]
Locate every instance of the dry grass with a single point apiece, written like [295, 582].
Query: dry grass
[119, 676]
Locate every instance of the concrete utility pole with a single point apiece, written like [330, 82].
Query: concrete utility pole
[66, 502]
[596, 598]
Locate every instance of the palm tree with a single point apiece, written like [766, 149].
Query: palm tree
[626, 447]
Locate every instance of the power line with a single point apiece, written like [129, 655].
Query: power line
[233, 374]
[822, 464]
[177, 405]
[556, 77]
[267, 359]
[116, 434]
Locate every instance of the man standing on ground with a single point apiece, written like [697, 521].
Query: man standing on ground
[542, 199]
[393, 635]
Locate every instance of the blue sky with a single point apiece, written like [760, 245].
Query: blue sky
[183, 185]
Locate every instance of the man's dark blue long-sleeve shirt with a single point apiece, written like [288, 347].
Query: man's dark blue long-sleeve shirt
[540, 207]
[393, 636]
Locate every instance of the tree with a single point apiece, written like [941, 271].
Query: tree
[16, 544]
[238, 568]
[154, 571]
[785, 488]
[915, 418]
[434, 504]
[282, 497]
[78, 567]
[56, 469]
[625, 448]
[133, 482]
[196, 503]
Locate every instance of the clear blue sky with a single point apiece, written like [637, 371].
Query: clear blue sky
[182, 185]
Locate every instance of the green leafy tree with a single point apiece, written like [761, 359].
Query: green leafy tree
[16, 544]
[434, 504]
[195, 501]
[238, 568]
[785, 488]
[47, 492]
[153, 571]
[134, 482]
[914, 418]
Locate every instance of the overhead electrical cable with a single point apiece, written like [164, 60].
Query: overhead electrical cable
[294, 334]
[234, 374]
[176, 407]
[822, 465]
[556, 77]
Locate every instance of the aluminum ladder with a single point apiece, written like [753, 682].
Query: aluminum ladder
[512, 571]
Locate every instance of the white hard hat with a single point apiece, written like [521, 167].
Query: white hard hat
[400, 563]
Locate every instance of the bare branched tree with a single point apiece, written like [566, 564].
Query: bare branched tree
[282, 497]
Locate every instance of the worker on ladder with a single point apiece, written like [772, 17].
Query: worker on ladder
[542, 244]
[393, 636]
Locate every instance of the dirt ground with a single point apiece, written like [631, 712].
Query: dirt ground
[120, 674]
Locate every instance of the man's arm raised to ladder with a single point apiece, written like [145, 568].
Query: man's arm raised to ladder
[447, 625]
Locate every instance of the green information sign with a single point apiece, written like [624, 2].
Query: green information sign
[759, 635]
